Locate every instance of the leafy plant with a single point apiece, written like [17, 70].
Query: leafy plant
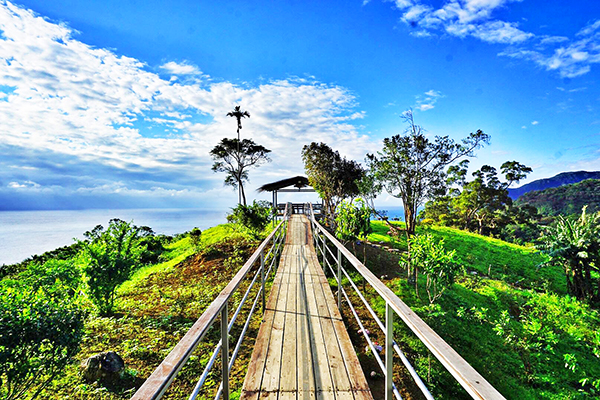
[196, 238]
[108, 259]
[353, 221]
[435, 262]
[254, 217]
[574, 244]
[40, 330]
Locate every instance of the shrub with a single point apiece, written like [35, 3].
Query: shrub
[435, 262]
[254, 217]
[40, 330]
[195, 238]
[108, 260]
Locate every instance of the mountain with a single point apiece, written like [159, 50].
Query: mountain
[564, 178]
[566, 199]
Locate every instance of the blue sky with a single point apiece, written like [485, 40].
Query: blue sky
[117, 103]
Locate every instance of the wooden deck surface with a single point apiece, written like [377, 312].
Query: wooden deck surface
[303, 350]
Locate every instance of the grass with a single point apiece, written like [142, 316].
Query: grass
[509, 318]
[154, 310]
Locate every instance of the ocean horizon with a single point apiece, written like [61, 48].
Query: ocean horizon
[26, 233]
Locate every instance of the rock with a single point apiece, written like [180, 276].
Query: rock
[108, 367]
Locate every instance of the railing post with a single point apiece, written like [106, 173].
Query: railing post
[389, 352]
[225, 352]
[339, 273]
[262, 278]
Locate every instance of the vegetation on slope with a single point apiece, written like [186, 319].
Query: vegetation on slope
[565, 200]
[564, 178]
[508, 317]
[152, 312]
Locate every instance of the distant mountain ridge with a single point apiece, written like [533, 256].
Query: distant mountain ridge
[564, 178]
[566, 199]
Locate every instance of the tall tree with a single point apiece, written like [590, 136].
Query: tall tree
[238, 114]
[333, 177]
[235, 157]
[412, 168]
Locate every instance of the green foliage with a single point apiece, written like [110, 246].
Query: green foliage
[254, 217]
[512, 321]
[438, 265]
[574, 245]
[481, 205]
[235, 157]
[353, 220]
[565, 200]
[40, 331]
[196, 238]
[332, 176]
[411, 167]
[108, 259]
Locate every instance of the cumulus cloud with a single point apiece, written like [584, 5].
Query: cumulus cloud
[569, 57]
[91, 111]
[535, 122]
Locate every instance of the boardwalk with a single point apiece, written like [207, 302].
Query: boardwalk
[303, 350]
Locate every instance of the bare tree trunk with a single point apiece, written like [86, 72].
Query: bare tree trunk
[243, 194]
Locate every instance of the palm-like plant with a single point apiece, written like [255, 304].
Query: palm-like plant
[574, 244]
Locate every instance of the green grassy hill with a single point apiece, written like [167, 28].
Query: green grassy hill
[507, 316]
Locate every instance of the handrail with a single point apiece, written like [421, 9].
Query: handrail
[463, 372]
[162, 377]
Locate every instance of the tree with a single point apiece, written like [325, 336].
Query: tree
[235, 157]
[108, 258]
[412, 168]
[353, 221]
[238, 114]
[574, 245]
[333, 177]
[435, 262]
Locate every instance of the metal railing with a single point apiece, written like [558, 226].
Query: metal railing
[162, 377]
[464, 373]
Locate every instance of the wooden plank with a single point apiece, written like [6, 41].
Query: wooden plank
[289, 366]
[288, 395]
[353, 368]
[335, 360]
[323, 380]
[272, 371]
[306, 374]
[254, 375]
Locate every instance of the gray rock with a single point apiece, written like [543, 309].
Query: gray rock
[108, 367]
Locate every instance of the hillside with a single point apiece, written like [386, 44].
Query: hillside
[507, 316]
[565, 200]
[564, 178]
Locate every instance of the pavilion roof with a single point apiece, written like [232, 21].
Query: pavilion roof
[297, 181]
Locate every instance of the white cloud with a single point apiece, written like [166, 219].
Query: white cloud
[523, 127]
[535, 122]
[73, 101]
[427, 100]
[181, 68]
[570, 58]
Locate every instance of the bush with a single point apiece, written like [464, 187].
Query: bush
[196, 238]
[108, 259]
[254, 217]
[40, 330]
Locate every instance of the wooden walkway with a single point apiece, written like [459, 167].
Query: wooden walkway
[303, 350]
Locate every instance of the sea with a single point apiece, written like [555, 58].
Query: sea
[26, 233]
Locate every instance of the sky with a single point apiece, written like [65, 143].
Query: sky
[117, 103]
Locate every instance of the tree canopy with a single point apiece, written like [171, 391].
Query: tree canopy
[412, 167]
[332, 176]
[235, 157]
